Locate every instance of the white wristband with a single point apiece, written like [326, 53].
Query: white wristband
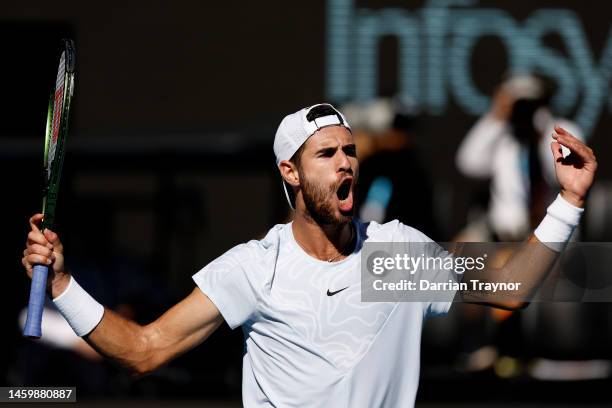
[557, 226]
[80, 310]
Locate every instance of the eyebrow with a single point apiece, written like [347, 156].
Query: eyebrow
[351, 147]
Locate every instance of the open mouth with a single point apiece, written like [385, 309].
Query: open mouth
[344, 190]
[345, 195]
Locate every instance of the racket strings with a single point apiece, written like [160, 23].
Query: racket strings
[58, 104]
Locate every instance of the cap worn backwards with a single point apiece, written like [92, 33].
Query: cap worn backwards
[297, 127]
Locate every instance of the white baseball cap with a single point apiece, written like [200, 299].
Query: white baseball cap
[297, 127]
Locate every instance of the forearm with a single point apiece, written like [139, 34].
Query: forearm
[528, 265]
[106, 331]
[140, 349]
[143, 349]
[525, 270]
[124, 341]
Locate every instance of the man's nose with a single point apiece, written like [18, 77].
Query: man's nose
[344, 164]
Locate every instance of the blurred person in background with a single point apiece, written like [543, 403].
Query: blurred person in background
[392, 174]
[510, 146]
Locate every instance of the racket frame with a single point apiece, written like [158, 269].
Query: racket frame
[51, 178]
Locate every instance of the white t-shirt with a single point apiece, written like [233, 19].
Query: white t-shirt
[305, 348]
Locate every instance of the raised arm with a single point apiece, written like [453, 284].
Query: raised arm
[530, 264]
[140, 349]
[143, 349]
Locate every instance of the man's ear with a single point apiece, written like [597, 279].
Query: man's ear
[289, 172]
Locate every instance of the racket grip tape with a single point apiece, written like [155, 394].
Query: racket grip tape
[36, 303]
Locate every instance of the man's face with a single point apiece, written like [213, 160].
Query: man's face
[328, 175]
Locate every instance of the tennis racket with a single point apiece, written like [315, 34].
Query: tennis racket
[58, 114]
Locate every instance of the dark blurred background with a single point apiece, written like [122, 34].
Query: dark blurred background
[169, 164]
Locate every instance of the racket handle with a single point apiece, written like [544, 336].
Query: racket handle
[36, 304]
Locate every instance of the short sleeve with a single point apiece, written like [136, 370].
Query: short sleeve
[227, 281]
[440, 308]
[440, 303]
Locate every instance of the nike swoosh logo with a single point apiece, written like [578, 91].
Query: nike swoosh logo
[333, 293]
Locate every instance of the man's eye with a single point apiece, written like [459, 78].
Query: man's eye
[350, 151]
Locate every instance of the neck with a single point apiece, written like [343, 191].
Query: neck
[324, 242]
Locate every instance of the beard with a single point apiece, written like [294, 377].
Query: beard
[319, 202]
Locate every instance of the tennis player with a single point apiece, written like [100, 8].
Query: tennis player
[309, 340]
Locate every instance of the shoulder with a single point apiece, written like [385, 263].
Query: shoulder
[236, 280]
[253, 250]
[250, 263]
[392, 231]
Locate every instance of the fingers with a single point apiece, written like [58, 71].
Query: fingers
[562, 131]
[38, 254]
[40, 246]
[27, 265]
[47, 237]
[37, 237]
[556, 151]
[567, 139]
[34, 221]
[563, 137]
[53, 238]
[36, 249]
[35, 259]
